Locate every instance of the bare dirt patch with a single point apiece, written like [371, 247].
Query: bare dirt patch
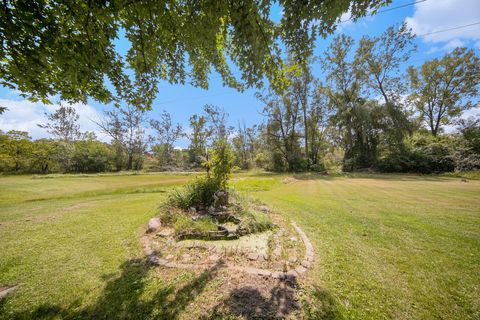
[253, 277]
[222, 294]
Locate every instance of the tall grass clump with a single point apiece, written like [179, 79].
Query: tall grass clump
[197, 194]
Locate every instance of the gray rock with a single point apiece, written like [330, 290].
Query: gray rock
[292, 273]
[166, 232]
[220, 199]
[252, 256]
[264, 208]
[214, 257]
[264, 273]
[153, 225]
[277, 252]
[305, 263]
[300, 269]
[6, 290]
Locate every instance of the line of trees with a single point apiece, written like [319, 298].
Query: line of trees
[130, 148]
[369, 113]
[365, 111]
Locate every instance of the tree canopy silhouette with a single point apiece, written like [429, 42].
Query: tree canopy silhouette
[69, 48]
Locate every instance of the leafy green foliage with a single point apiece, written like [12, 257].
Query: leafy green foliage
[175, 210]
[424, 153]
[46, 45]
[197, 193]
[221, 163]
[443, 88]
[366, 127]
[92, 156]
[18, 153]
[198, 140]
[15, 150]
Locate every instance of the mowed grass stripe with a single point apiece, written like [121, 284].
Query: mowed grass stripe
[392, 248]
[387, 246]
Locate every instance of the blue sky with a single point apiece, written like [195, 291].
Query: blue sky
[183, 100]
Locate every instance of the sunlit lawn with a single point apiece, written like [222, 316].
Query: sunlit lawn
[387, 246]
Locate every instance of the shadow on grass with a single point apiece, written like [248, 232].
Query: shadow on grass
[249, 303]
[320, 304]
[281, 302]
[122, 298]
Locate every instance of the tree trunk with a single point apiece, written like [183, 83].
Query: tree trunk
[307, 155]
[130, 162]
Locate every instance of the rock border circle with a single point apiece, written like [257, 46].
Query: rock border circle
[292, 273]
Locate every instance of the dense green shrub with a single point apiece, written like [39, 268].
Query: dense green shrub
[15, 151]
[318, 167]
[91, 156]
[20, 154]
[222, 161]
[198, 193]
[422, 154]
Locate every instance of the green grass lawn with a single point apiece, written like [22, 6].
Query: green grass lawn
[387, 246]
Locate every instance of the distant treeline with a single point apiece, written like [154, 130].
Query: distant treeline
[365, 112]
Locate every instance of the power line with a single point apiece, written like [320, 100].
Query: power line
[449, 29]
[390, 9]
[401, 6]
[387, 10]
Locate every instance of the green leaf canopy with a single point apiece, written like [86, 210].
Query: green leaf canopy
[67, 47]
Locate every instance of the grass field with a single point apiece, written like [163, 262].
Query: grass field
[387, 246]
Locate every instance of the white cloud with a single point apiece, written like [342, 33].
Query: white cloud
[24, 115]
[474, 112]
[432, 16]
[345, 21]
[448, 47]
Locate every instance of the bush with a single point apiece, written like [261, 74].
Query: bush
[222, 162]
[261, 160]
[198, 193]
[276, 163]
[91, 156]
[318, 167]
[423, 154]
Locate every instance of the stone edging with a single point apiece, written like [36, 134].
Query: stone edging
[4, 291]
[292, 273]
